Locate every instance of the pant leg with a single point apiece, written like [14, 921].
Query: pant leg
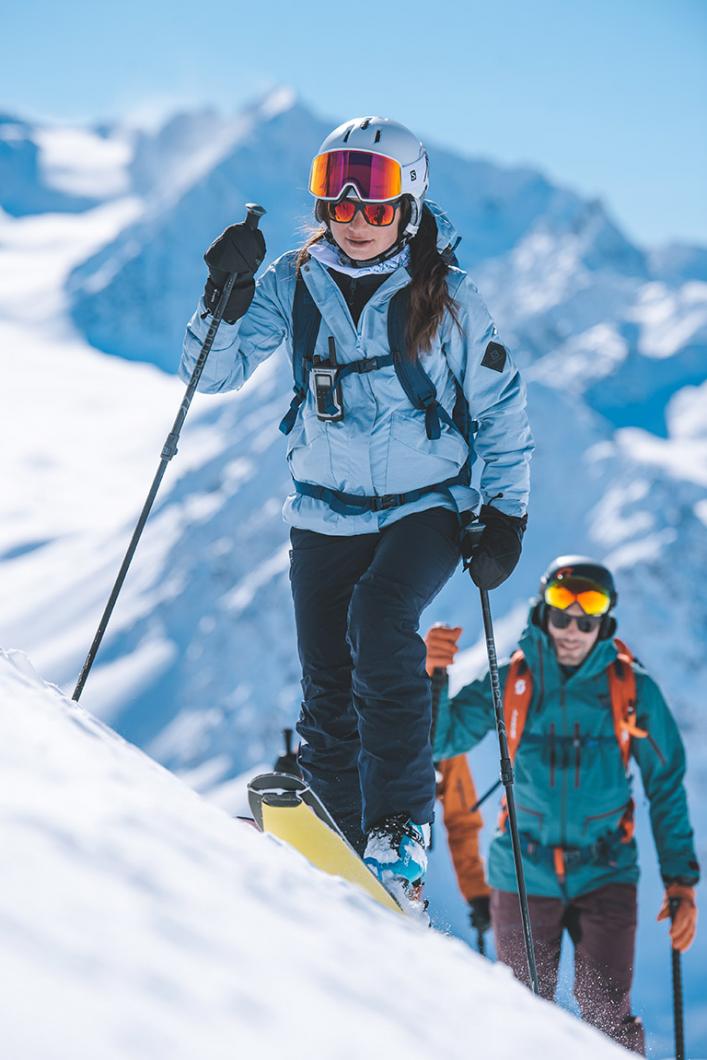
[602, 925]
[413, 560]
[323, 572]
[546, 922]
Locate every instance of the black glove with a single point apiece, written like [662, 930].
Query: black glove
[480, 913]
[238, 249]
[498, 549]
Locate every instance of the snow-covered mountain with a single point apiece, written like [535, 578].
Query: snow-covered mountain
[199, 666]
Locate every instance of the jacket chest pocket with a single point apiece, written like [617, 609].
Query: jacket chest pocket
[415, 460]
[308, 449]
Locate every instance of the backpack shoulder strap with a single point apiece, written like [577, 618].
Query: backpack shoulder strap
[517, 694]
[306, 319]
[419, 388]
[622, 688]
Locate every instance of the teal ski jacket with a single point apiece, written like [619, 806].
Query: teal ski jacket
[571, 789]
[381, 446]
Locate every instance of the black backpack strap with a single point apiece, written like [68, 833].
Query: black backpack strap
[306, 319]
[419, 388]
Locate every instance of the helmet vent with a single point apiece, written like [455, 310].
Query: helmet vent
[365, 123]
[348, 133]
[377, 137]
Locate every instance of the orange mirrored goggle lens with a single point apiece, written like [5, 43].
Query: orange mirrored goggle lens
[375, 177]
[591, 598]
[379, 214]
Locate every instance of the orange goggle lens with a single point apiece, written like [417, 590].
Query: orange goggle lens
[375, 177]
[591, 598]
[379, 214]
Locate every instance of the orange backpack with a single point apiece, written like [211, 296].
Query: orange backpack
[518, 692]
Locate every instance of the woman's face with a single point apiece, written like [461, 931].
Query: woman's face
[362, 241]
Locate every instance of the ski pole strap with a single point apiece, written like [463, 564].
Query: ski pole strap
[355, 504]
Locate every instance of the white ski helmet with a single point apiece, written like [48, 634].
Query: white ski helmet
[378, 160]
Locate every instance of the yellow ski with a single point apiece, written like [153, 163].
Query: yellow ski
[285, 807]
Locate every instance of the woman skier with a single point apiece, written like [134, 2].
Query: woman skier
[578, 708]
[400, 382]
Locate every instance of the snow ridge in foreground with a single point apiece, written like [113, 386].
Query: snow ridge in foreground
[139, 920]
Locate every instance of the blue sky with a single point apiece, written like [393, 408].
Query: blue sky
[609, 97]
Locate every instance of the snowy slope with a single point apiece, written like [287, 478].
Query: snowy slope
[140, 921]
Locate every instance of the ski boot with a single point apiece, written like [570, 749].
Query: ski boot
[396, 852]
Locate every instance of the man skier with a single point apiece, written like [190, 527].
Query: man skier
[577, 705]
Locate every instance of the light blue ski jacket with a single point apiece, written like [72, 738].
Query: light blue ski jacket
[381, 445]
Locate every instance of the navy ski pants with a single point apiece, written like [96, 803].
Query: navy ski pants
[366, 711]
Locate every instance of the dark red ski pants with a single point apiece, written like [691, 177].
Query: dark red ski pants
[602, 926]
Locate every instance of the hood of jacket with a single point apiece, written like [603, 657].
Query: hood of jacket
[447, 236]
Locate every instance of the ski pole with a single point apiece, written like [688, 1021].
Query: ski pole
[486, 795]
[438, 679]
[506, 770]
[678, 1008]
[507, 781]
[253, 215]
[481, 942]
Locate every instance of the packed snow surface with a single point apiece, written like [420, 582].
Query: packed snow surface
[141, 921]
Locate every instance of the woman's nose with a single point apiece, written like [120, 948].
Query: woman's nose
[359, 222]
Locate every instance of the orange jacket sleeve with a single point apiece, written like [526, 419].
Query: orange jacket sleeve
[457, 793]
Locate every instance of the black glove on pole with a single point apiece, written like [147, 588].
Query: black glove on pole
[678, 1010]
[497, 548]
[254, 213]
[475, 535]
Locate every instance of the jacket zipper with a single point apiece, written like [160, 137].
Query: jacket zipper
[563, 798]
[577, 754]
[552, 755]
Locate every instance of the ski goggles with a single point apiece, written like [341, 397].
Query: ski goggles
[375, 178]
[378, 214]
[561, 620]
[592, 598]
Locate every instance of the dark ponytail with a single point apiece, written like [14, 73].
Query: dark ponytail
[429, 294]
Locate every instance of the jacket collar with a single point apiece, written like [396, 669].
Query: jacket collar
[332, 304]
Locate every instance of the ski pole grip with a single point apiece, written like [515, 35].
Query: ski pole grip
[475, 532]
[255, 212]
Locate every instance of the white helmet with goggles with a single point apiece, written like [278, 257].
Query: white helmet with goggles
[375, 160]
